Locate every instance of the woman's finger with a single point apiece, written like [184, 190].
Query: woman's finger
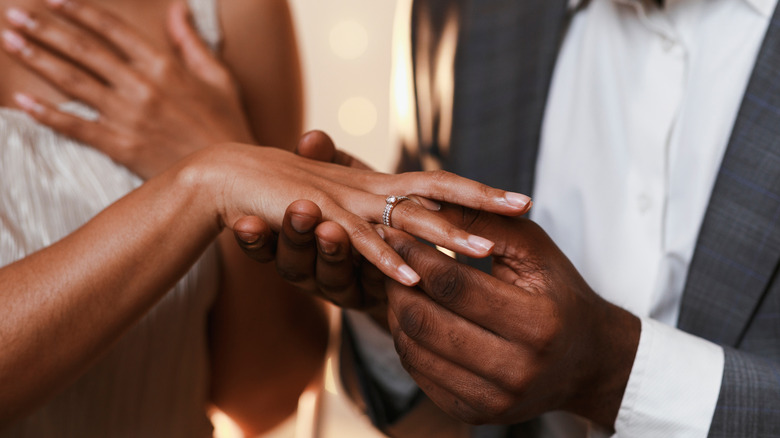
[74, 43]
[368, 241]
[408, 214]
[195, 54]
[69, 125]
[419, 221]
[448, 187]
[65, 76]
[435, 185]
[109, 26]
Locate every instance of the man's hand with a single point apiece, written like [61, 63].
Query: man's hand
[505, 348]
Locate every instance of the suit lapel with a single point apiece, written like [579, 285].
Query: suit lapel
[496, 123]
[739, 243]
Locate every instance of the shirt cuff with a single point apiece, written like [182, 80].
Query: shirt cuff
[375, 347]
[673, 387]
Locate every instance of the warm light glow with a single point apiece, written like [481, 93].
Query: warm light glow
[224, 427]
[348, 39]
[402, 93]
[357, 116]
[448, 252]
[330, 380]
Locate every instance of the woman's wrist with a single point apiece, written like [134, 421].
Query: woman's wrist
[197, 181]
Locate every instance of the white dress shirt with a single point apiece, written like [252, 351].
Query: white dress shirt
[641, 106]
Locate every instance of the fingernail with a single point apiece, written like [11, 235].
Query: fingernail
[249, 238]
[13, 41]
[516, 199]
[430, 205]
[480, 244]
[28, 103]
[301, 223]
[327, 247]
[380, 231]
[21, 18]
[408, 275]
[56, 2]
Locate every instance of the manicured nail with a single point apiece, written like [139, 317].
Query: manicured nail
[516, 199]
[301, 223]
[408, 275]
[248, 238]
[56, 3]
[327, 247]
[480, 244]
[28, 103]
[380, 231]
[13, 41]
[20, 18]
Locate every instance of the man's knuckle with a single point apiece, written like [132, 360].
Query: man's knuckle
[492, 404]
[406, 351]
[447, 285]
[512, 382]
[499, 405]
[415, 320]
[467, 414]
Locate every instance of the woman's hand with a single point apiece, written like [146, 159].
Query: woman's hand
[239, 180]
[154, 107]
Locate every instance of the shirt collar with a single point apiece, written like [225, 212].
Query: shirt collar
[763, 7]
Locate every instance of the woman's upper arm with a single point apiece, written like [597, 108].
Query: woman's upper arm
[259, 47]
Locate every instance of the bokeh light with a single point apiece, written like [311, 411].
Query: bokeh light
[357, 116]
[348, 39]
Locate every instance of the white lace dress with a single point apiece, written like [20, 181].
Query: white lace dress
[154, 381]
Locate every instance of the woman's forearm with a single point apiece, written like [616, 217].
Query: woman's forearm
[65, 305]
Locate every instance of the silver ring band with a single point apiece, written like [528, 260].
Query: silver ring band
[391, 202]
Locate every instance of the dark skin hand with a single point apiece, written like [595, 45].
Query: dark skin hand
[530, 339]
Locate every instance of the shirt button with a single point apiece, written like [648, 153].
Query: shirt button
[645, 203]
[668, 44]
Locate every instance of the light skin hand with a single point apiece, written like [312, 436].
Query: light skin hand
[154, 107]
[505, 348]
[242, 181]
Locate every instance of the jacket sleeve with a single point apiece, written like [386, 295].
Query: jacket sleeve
[749, 400]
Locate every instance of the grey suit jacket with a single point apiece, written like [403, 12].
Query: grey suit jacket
[503, 67]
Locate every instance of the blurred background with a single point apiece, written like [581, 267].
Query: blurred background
[346, 50]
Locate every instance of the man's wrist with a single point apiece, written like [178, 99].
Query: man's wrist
[610, 357]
